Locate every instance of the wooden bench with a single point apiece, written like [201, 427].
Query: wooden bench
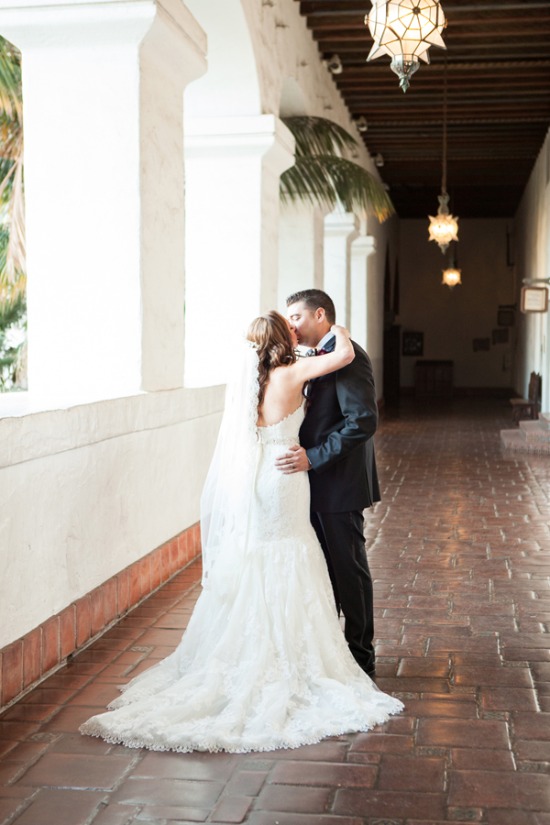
[528, 408]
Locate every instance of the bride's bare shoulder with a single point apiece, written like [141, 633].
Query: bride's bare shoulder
[286, 374]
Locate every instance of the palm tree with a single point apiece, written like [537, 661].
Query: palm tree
[12, 223]
[12, 211]
[321, 175]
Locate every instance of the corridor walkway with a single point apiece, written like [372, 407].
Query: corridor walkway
[460, 550]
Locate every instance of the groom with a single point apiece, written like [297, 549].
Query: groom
[337, 450]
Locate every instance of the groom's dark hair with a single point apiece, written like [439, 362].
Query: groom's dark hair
[313, 299]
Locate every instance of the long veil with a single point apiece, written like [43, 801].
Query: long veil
[229, 486]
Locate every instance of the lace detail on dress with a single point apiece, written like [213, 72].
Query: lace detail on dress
[263, 663]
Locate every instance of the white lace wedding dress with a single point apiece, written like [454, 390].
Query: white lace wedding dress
[263, 663]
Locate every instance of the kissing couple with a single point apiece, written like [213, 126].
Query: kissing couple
[263, 663]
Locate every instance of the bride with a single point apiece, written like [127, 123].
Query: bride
[263, 663]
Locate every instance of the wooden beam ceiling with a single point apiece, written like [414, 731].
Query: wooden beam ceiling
[498, 98]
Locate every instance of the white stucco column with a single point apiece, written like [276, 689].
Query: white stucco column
[361, 248]
[103, 106]
[301, 249]
[341, 228]
[231, 251]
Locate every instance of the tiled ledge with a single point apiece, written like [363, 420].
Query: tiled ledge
[26, 661]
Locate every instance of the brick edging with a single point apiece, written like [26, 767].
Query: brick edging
[26, 661]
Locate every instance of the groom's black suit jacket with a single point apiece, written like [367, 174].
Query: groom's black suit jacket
[337, 435]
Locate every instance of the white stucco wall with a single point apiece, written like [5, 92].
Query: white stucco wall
[87, 490]
[531, 254]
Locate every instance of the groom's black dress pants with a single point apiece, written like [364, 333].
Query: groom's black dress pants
[341, 537]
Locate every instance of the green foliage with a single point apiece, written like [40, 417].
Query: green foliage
[13, 323]
[12, 213]
[321, 175]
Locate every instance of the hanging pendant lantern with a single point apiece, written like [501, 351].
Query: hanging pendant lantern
[405, 30]
[443, 227]
[451, 277]
[452, 274]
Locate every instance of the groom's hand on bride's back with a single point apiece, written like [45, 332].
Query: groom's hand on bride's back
[295, 460]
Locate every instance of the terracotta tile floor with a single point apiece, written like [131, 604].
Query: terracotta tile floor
[460, 549]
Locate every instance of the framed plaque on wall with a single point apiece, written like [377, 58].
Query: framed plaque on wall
[534, 299]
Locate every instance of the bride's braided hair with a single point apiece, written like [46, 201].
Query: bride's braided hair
[274, 346]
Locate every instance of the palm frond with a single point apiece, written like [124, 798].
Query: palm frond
[321, 175]
[318, 136]
[10, 80]
[16, 256]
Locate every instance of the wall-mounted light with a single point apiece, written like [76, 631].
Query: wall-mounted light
[379, 160]
[362, 124]
[334, 64]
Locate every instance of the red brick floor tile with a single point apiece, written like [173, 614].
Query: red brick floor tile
[482, 760]
[523, 791]
[77, 771]
[389, 804]
[17, 731]
[386, 743]
[424, 667]
[507, 817]
[61, 807]
[231, 809]
[509, 699]
[97, 695]
[294, 799]
[518, 677]
[532, 726]
[171, 792]
[69, 719]
[324, 775]
[161, 636]
[246, 783]
[404, 773]
[9, 807]
[265, 818]
[6, 746]
[116, 815]
[21, 712]
[10, 771]
[48, 696]
[327, 751]
[194, 766]
[458, 732]
[66, 679]
[180, 815]
[452, 705]
[28, 752]
[532, 750]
